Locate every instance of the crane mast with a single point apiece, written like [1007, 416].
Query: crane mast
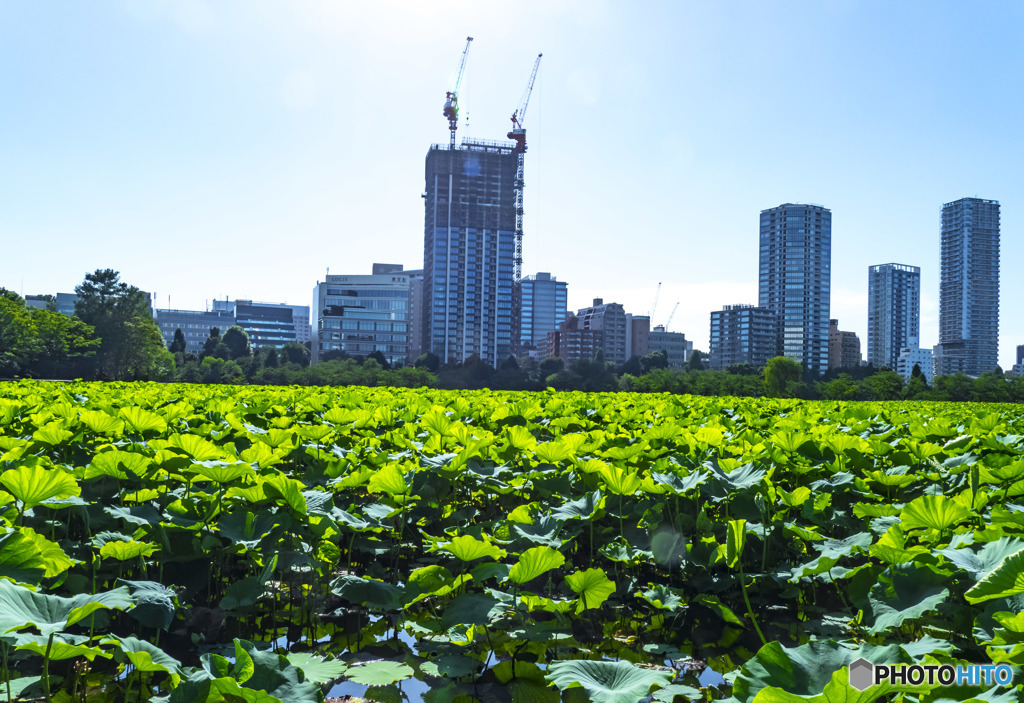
[671, 315]
[451, 105]
[518, 135]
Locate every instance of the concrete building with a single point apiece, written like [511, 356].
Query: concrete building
[37, 301]
[843, 347]
[610, 320]
[469, 251]
[267, 324]
[1018, 368]
[573, 342]
[360, 314]
[416, 315]
[911, 356]
[795, 262]
[969, 288]
[674, 344]
[742, 334]
[638, 335]
[894, 312]
[544, 304]
[194, 324]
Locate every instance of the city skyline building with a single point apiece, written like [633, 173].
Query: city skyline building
[195, 325]
[742, 334]
[894, 312]
[843, 347]
[794, 279]
[968, 288]
[360, 314]
[609, 319]
[267, 324]
[675, 345]
[469, 251]
[543, 305]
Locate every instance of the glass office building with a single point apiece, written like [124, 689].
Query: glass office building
[358, 315]
[794, 282]
[894, 312]
[544, 304]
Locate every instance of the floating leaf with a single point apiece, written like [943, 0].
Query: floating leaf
[606, 681]
[534, 562]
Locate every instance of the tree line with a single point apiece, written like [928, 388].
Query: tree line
[112, 336]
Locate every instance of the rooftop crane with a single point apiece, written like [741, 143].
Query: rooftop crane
[655, 306]
[518, 135]
[451, 105]
[671, 315]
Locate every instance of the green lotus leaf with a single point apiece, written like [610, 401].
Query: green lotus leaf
[27, 556]
[606, 681]
[519, 438]
[389, 480]
[34, 485]
[198, 448]
[903, 592]
[155, 603]
[452, 666]
[222, 472]
[979, 564]
[376, 595]
[619, 481]
[21, 608]
[145, 656]
[118, 464]
[123, 551]
[1006, 579]
[583, 508]
[935, 512]
[593, 586]
[54, 434]
[287, 489]
[735, 538]
[469, 548]
[142, 420]
[379, 673]
[59, 649]
[101, 423]
[555, 451]
[317, 669]
[247, 591]
[663, 597]
[544, 531]
[534, 562]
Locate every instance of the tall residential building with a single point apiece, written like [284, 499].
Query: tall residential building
[843, 347]
[360, 314]
[795, 273]
[914, 356]
[969, 288]
[894, 312]
[469, 251]
[638, 335]
[544, 304]
[609, 319]
[742, 334]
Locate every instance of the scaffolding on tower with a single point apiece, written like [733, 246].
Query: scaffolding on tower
[518, 135]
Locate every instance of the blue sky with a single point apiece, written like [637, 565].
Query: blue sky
[240, 147]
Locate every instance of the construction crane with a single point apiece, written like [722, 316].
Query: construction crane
[655, 305]
[671, 315]
[518, 135]
[451, 105]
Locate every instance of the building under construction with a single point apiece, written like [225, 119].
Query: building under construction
[472, 239]
[469, 251]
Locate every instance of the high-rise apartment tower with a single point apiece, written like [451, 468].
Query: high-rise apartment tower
[894, 312]
[969, 288]
[795, 273]
[469, 252]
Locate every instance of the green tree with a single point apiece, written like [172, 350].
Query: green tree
[655, 360]
[121, 317]
[237, 342]
[178, 343]
[428, 361]
[378, 356]
[634, 366]
[295, 353]
[779, 372]
[696, 361]
[886, 385]
[841, 388]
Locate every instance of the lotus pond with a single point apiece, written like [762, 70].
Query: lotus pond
[194, 543]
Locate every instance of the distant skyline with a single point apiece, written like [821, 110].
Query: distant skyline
[240, 148]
